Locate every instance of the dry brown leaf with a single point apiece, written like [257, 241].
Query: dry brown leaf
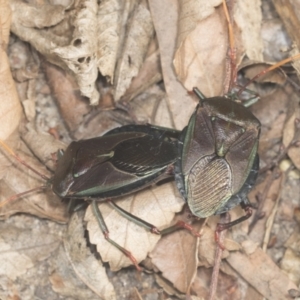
[86, 266]
[43, 40]
[257, 234]
[165, 16]
[260, 271]
[269, 110]
[152, 107]
[63, 279]
[156, 205]
[149, 74]
[16, 178]
[17, 256]
[291, 264]
[109, 18]
[67, 95]
[176, 257]
[140, 33]
[48, 15]
[43, 145]
[248, 16]
[80, 55]
[10, 108]
[192, 12]
[229, 287]
[289, 131]
[199, 60]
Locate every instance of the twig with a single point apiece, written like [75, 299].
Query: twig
[225, 218]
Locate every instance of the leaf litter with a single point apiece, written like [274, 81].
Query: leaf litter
[260, 269]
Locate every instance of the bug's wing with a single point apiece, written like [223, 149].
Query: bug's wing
[208, 185]
[115, 164]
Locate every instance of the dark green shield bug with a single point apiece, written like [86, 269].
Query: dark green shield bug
[124, 160]
[218, 159]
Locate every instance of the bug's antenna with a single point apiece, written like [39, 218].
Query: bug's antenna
[271, 68]
[12, 198]
[12, 153]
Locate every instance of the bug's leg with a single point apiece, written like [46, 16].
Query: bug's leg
[199, 93]
[180, 225]
[105, 232]
[248, 211]
[150, 227]
[76, 205]
[223, 226]
[133, 218]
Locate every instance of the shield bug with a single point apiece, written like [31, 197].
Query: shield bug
[218, 161]
[123, 161]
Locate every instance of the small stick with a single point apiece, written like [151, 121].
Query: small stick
[225, 218]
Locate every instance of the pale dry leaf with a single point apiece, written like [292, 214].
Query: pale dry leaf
[90, 270]
[167, 286]
[286, 165]
[200, 59]
[269, 110]
[17, 255]
[176, 256]
[294, 242]
[295, 63]
[289, 131]
[257, 268]
[80, 55]
[179, 103]
[192, 12]
[10, 108]
[248, 16]
[5, 23]
[258, 232]
[140, 32]
[16, 178]
[156, 205]
[49, 15]
[230, 287]
[63, 279]
[151, 107]
[43, 145]
[67, 95]
[290, 263]
[149, 74]
[109, 18]
[44, 40]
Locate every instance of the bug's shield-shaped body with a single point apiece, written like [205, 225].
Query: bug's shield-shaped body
[120, 162]
[218, 154]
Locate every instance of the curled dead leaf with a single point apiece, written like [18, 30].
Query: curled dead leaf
[135, 49]
[199, 60]
[176, 256]
[16, 179]
[86, 266]
[10, 108]
[260, 271]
